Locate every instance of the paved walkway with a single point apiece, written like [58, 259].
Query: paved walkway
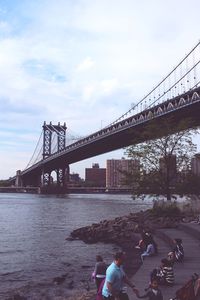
[190, 234]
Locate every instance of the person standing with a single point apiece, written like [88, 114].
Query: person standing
[99, 271]
[115, 279]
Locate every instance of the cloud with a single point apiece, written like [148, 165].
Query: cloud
[108, 86]
[93, 92]
[85, 65]
[4, 28]
[83, 62]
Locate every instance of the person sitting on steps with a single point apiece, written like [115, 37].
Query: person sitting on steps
[165, 274]
[146, 239]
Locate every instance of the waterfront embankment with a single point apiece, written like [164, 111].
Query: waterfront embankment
[125, 231]
[34, 229]
[14, 189]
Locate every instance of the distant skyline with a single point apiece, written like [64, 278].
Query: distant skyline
[83, 62]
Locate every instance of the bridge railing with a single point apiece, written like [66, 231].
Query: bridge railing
[161, 109]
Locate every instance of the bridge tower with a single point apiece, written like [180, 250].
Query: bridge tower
[48, 130]
[62, 170]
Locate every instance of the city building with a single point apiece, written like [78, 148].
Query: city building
[195, 164]
[115, 168]
[95, 176]
[74, 178]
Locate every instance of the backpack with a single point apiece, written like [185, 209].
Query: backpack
[187, 291]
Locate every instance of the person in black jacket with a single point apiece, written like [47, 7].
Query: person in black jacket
[153, 293]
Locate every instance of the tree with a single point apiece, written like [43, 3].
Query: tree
[4, 183]
[162, 158]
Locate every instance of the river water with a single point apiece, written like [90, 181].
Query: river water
[34, 253]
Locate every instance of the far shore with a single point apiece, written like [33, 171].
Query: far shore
[69, 190]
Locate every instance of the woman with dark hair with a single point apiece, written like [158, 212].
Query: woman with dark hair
[150, 250]
[150, 246]
[99, 273]
[147, 239]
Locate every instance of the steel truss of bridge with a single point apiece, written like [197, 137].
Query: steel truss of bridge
[124, 133]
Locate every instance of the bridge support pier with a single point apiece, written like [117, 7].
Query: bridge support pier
[60, 186]
[62, 176]
[46, 178]
[18, 181]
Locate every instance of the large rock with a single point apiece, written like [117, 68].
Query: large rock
[123, 228]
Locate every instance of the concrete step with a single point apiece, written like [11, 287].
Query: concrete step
[192, 228]
[142, 277]
[183, 271]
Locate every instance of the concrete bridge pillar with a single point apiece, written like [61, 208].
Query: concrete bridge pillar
[46, 178]
[67, 171]
[63, 176]
[18, 181]
[48, 186]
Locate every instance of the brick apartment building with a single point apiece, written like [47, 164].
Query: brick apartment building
[95, 176]
[114, 169]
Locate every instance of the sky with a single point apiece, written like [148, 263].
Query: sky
[83, 62]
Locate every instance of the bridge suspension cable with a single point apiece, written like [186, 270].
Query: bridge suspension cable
[184, 77]
[37, 145]
[158, 86]
[39, 156]
[174, 84]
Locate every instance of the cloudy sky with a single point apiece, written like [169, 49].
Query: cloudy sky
[83, 62]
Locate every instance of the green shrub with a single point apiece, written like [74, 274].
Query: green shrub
[165, 209]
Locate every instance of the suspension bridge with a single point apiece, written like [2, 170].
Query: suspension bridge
[176, 97]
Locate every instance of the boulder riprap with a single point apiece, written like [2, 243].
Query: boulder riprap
[123, 229]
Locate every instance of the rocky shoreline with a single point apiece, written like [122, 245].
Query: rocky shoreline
[125, 231]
